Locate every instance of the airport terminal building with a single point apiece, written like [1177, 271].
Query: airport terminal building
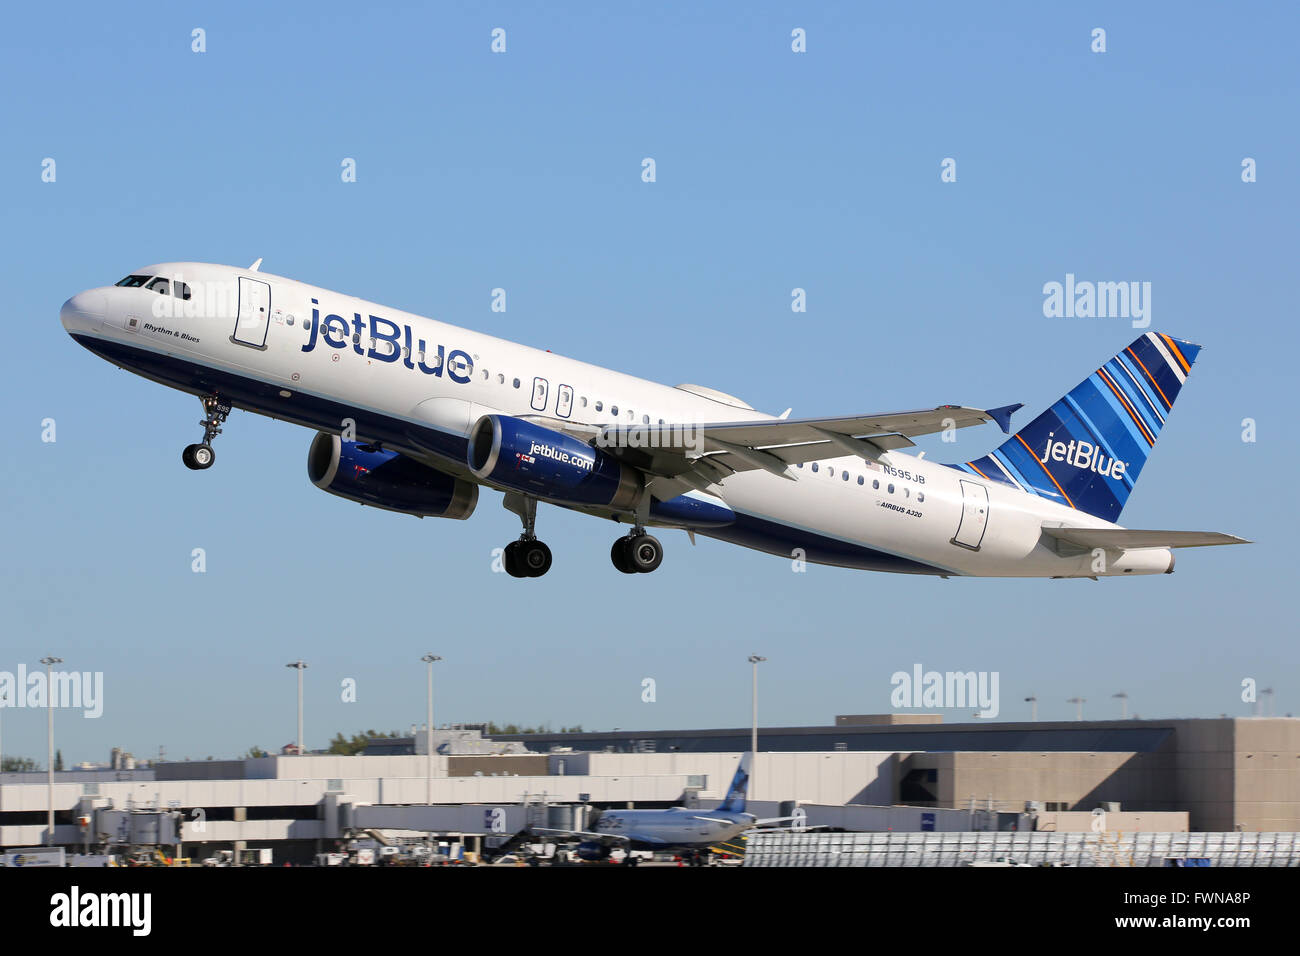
[887, 774]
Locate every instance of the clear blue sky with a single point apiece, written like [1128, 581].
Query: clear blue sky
[775, 171]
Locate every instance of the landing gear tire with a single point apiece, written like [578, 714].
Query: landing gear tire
[526, 559]
[198, 457]
[618, 554]
[644, 553]
[534, 558]
[511, 559]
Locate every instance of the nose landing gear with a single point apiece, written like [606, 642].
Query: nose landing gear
[200, 456]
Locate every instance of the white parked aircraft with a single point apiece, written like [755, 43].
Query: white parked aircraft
[414, 415]
[677, 828]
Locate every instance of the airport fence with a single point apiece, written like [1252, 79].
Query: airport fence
[1023, 848]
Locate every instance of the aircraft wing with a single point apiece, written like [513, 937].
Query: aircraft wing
[701, 454]
[585, 834]
[1128, 539]
[602, 837]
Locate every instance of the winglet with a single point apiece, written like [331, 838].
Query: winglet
[1003, 415]
[256, 265]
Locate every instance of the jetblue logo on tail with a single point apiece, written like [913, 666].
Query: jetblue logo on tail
[1082, 454]
[1108, 425]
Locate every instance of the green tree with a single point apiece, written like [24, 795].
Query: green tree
[353, 746]
[58, 760]
[19, 765]
[255, 751]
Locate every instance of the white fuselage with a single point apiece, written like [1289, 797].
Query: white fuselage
[420, 384]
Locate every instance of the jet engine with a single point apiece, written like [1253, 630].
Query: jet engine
[386, 479]
[538, 461]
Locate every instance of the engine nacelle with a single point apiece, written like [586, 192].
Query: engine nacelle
[386, 479]
[544, 463]
[592, 850]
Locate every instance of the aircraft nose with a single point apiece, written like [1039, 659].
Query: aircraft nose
[83, 312]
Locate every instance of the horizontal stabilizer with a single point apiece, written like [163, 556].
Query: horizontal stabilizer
[1129, 539]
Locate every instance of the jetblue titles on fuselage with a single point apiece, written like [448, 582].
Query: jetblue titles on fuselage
[410, 351]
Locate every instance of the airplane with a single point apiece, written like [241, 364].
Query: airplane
[678, 828]
[415, 416]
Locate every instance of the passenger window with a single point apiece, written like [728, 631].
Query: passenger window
[501, 379]
[599, 406]
[920, 497]
[613, 410]
[846, 476]
[584, 401]
[891, 489]
[861, 480]
[516, 383]
[160, 285]
[645, 419]
[875, 484]
[814, 466]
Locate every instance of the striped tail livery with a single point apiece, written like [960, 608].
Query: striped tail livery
[1087, 450]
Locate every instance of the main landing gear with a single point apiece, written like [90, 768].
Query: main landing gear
[634, 553]
[637, 552]
[527, 557]
[201, 456]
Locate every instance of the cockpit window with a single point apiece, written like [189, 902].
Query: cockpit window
[160, 285]
[182, 291]
[133, 282]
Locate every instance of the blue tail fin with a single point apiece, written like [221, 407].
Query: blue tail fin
[1087, 450]
[736, 793]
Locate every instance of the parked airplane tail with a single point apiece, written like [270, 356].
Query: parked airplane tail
[736, 793]
[1088, 449]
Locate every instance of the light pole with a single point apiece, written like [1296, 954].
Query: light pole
[1032, 701]
[300, 666]
[1078, 706]
[4, 699]
[755, 660]
[49, 728]
[1123, 704]
[429, 659]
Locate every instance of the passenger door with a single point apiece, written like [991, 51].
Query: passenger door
[252, 318]
[974, 515]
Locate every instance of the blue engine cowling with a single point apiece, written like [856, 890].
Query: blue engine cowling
[544, 463]
[385, 479]
[592, 850]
